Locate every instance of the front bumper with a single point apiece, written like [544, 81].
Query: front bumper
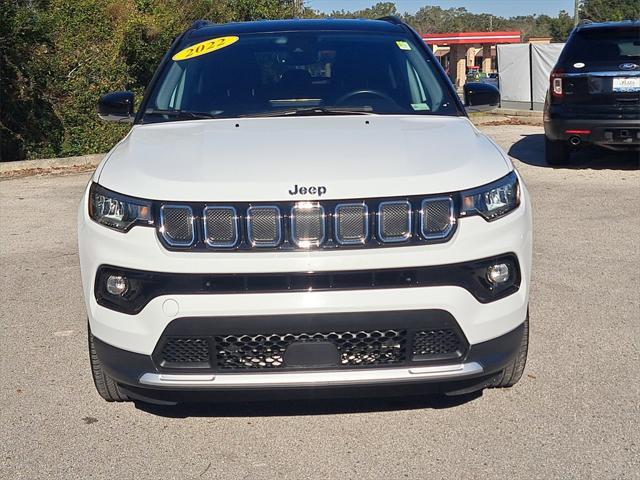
[477, 369]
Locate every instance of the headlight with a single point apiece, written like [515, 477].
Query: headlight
[494, 200]
[118, 211]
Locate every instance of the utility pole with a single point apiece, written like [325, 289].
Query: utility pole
[298, 7]
[576, 13]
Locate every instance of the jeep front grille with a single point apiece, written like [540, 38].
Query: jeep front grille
[304, 225]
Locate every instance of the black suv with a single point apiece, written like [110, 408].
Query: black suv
[594, 92]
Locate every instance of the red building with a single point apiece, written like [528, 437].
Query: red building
[461, 52]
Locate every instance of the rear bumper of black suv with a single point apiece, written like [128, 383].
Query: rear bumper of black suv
[616, 133]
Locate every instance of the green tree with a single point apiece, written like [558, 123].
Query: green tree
[561, 26]
[610, 10]
[381, 9]
[59, 56]
[27, 118]
[245, 10]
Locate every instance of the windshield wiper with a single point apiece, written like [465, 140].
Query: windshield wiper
[309, 111]
[180, 114]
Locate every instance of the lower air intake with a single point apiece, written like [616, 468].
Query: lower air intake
[355, 349]
[437, 343]
[181, 352]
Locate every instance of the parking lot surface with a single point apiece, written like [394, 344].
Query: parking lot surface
[575, 413]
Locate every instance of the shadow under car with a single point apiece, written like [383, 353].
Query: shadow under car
[530, 150]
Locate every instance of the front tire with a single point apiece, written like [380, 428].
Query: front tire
[556, 152]
[107, 387]
[514, 370]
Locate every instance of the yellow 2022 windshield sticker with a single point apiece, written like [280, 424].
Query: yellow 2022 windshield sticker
[207, 46]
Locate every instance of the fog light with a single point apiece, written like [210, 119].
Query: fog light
[117, 285]
[498, 273]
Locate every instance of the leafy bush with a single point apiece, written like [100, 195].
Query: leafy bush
[61, 55]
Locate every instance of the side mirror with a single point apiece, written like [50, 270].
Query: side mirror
[480, 97]
[116, 107]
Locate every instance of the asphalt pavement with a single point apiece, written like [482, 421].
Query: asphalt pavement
[575, 413]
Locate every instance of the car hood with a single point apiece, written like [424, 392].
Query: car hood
[263, 159]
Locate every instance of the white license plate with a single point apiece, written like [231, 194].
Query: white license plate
[626, 84]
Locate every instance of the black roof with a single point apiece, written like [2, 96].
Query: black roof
[608, 25]
[205, 29]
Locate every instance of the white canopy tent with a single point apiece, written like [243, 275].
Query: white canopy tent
[524, 71]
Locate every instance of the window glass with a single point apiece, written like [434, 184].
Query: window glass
[283, 72]
[602, 46]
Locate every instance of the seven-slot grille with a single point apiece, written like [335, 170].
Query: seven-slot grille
[306, 225]
[356, 348]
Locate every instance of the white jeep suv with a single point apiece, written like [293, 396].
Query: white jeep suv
[304, 206]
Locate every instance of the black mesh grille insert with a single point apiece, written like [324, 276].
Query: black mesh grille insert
[307, 222]
[356, 348]
[177, 225]
[394, 221]
[221, 229]
[264, 226]
[351, 223]
[441, 342]
[180, 351]
[437, 217]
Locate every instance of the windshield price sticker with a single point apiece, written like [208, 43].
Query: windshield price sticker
[403, 45]
[205, 47]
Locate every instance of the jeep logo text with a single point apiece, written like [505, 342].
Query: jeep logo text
[299, 190]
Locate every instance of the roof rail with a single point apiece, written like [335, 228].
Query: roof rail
[200, 23]
[392, 19]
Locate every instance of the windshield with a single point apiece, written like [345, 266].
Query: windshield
[603, 46]
[311, 73]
